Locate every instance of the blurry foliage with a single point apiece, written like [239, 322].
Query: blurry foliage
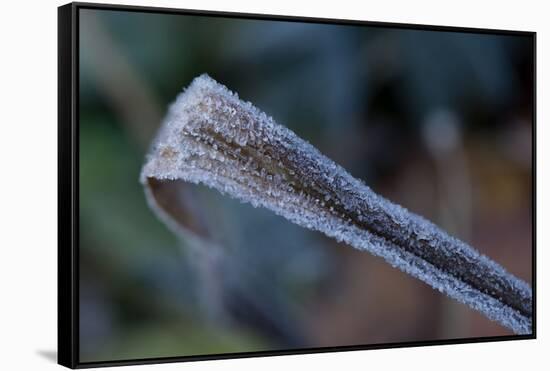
[362, 95]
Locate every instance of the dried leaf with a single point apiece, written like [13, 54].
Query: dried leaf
[212, 137]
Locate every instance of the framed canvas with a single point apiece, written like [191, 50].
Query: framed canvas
[242, 185]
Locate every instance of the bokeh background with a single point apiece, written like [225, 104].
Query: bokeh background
[439, 122]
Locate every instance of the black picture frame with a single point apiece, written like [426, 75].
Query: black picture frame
[68, 185]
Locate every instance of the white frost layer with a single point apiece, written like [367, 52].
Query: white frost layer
[212, 137]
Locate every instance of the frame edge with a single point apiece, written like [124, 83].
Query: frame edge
[67, 324]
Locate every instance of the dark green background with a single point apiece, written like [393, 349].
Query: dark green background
[440, 122]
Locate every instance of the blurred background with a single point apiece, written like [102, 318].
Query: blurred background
[439, 122]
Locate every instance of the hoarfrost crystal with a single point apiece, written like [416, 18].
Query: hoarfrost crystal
[212, 137]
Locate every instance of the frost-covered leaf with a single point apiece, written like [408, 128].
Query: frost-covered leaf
[212, 137]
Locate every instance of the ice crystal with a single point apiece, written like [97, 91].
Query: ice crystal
[212, 137]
